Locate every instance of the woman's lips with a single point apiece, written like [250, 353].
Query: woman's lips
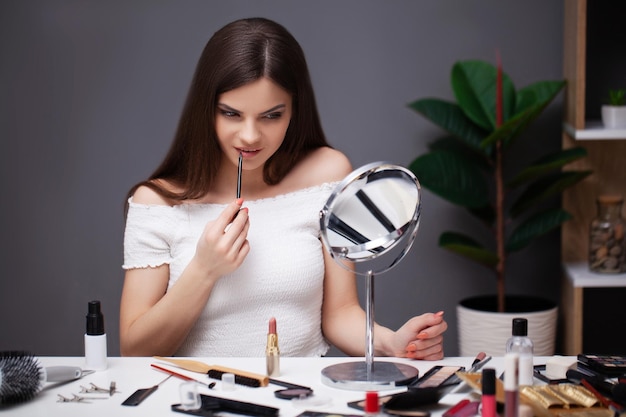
[248, 153]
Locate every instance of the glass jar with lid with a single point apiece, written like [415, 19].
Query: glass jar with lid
[607, 246]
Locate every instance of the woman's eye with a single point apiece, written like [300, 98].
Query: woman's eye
[227, 113]
[275, 115]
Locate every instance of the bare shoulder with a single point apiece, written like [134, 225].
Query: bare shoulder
[148, 196]
[324, 165]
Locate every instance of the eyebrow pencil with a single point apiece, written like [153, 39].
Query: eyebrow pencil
[239, 175]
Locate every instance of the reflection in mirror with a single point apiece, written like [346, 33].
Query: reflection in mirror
[371, 217]
[372, 210]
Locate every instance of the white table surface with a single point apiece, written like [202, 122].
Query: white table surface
[131, 374]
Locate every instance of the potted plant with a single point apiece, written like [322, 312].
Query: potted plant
[614, 113]
[467, 168]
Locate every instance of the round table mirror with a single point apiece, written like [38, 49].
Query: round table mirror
[368, 224]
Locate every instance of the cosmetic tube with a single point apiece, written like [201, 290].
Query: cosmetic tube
[488, 399]
[372, 404]
[511, 389]
[523, 345]
[272, 353]
[95, 338]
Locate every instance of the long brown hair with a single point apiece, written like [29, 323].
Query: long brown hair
[241, 52]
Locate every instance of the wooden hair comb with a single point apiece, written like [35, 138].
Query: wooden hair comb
[246, 378]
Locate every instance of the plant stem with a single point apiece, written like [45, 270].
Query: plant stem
[500, 267]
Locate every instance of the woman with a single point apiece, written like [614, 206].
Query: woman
[204, 274]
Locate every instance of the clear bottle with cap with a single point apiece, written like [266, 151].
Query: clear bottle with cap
[521, 344]
[95, 338]
[607, 246]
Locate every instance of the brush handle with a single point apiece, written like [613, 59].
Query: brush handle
[241, 377]
[188, 364]
[61, 373]
[216, 371]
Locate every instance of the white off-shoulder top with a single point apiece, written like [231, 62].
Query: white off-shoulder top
[281, 277]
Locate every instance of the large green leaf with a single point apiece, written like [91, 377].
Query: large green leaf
[474, 86]
[546, 187]
[453, 177]
[450, 118]
[532, 100]
[453, 144]
[466, 246]
[535, 226]
[539, 93]
[547, 164]
[512, 127]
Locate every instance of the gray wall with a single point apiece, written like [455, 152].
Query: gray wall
[91, 92]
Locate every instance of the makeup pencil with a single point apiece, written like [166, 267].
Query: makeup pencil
[239, 175]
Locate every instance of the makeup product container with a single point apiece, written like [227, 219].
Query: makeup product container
[95, 338]
[511, 387]
[520, 343]
[272, 353]
[372, 405]
[488, 398]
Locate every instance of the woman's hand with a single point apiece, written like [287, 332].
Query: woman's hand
[223, 245]
[421, 337]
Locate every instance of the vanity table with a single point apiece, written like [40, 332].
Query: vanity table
[130, 374]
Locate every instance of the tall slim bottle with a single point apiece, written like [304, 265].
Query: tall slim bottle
[95, 338]
[521, 344]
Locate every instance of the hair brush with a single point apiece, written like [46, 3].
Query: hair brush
[22, 377]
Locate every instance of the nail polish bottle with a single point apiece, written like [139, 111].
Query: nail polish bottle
[95, 338]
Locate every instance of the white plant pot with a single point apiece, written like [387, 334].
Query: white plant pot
[488, 331]
[614, 117]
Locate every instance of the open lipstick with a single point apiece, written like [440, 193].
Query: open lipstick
[239, 175]
[272, 353]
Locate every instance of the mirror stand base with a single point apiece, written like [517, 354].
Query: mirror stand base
[358, 375]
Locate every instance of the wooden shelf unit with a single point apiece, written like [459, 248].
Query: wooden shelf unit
[606, 158]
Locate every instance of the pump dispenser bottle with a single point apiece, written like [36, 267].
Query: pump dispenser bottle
[521, 344]
[95, 338]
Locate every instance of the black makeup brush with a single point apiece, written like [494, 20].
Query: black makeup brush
[22, 377]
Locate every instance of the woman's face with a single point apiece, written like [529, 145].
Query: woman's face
[252, 120]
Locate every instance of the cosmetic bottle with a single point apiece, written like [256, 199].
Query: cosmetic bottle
[95, 338]
[488, 398]
[372, 405]
[521, 344]
[511, 388]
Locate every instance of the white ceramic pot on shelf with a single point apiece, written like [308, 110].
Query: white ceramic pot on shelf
[488, 331]
[614, 117]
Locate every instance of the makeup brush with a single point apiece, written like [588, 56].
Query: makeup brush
[22, 377]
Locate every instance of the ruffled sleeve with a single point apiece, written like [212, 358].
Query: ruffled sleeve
[150, 231]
